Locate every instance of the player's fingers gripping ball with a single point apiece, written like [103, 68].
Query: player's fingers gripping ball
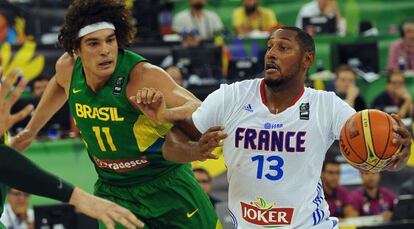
[366, 140]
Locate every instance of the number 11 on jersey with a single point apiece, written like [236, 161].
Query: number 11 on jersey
[272, 164]
[97, 130]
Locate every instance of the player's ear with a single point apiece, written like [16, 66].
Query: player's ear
[77, 52]
[309, 57]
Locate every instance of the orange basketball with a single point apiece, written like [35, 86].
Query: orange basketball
[366, 140]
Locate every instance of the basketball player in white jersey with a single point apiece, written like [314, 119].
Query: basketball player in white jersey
[278, 133]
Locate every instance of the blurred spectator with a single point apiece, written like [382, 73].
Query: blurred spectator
[336, 195]
[204, 178]
[395, 98]
[321, 8]
[38, 85]
[175, 74]
[189, 38]
[17, 214]
[60, 123]
[346, 88]
[250, 17]
[371, 198]
[206, 22]
[401, 52]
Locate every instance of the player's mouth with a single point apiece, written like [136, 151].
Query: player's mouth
[105, 64]
[272, 68]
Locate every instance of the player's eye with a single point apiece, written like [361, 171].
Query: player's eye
[283, 48]
[110, 40]
[92, 44]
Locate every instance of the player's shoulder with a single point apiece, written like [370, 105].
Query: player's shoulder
[65, 61]
[243, 85]
[320, 94]
[239, 92]
[64, 68]
[145, 70]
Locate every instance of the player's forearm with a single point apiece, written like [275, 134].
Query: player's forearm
[19, 172]
[52, 100]
[180, 113]
[179, 148]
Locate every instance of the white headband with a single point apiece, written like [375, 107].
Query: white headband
[95, 27]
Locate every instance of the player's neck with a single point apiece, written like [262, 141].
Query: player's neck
[280, 98]
[95, 82]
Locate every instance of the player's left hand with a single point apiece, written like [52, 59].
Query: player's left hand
[151, 102]
[403, 137]
[209, 141]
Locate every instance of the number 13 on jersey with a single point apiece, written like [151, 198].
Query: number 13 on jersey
[272, 165]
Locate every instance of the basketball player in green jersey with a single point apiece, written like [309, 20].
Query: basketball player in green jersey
[97, 77]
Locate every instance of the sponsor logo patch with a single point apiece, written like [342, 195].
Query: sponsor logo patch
[266, 214]
[124, 165]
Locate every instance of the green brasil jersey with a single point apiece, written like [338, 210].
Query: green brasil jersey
[124, 145]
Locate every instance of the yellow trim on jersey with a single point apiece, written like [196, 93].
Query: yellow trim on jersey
[411, 159]
[213, 167]
[218, 225]
[6, 138]
[148, 131]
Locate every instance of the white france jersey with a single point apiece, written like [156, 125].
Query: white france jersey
[274, 161]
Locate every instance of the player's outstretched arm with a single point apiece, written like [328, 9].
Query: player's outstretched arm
[156, 94]
[178, 147]
[7, 120]
[107, 212]
[19, 172]
[51, 101]
[403, 138]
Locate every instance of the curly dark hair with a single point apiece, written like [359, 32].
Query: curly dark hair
[85, 12]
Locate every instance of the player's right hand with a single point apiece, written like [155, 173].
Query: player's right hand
[151, 102]
[209, 141]
[23, 140]
[105, 211]
[7, 100]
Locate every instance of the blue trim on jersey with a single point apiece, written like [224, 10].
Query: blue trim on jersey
[233, 219]
[318, 215]
[334, 223]
[156, 147]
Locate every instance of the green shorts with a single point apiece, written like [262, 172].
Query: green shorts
[174, 200]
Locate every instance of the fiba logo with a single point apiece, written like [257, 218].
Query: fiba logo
[269, 125]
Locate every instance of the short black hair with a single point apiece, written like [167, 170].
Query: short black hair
[303, 38]
[327, 161]
[86, 12]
